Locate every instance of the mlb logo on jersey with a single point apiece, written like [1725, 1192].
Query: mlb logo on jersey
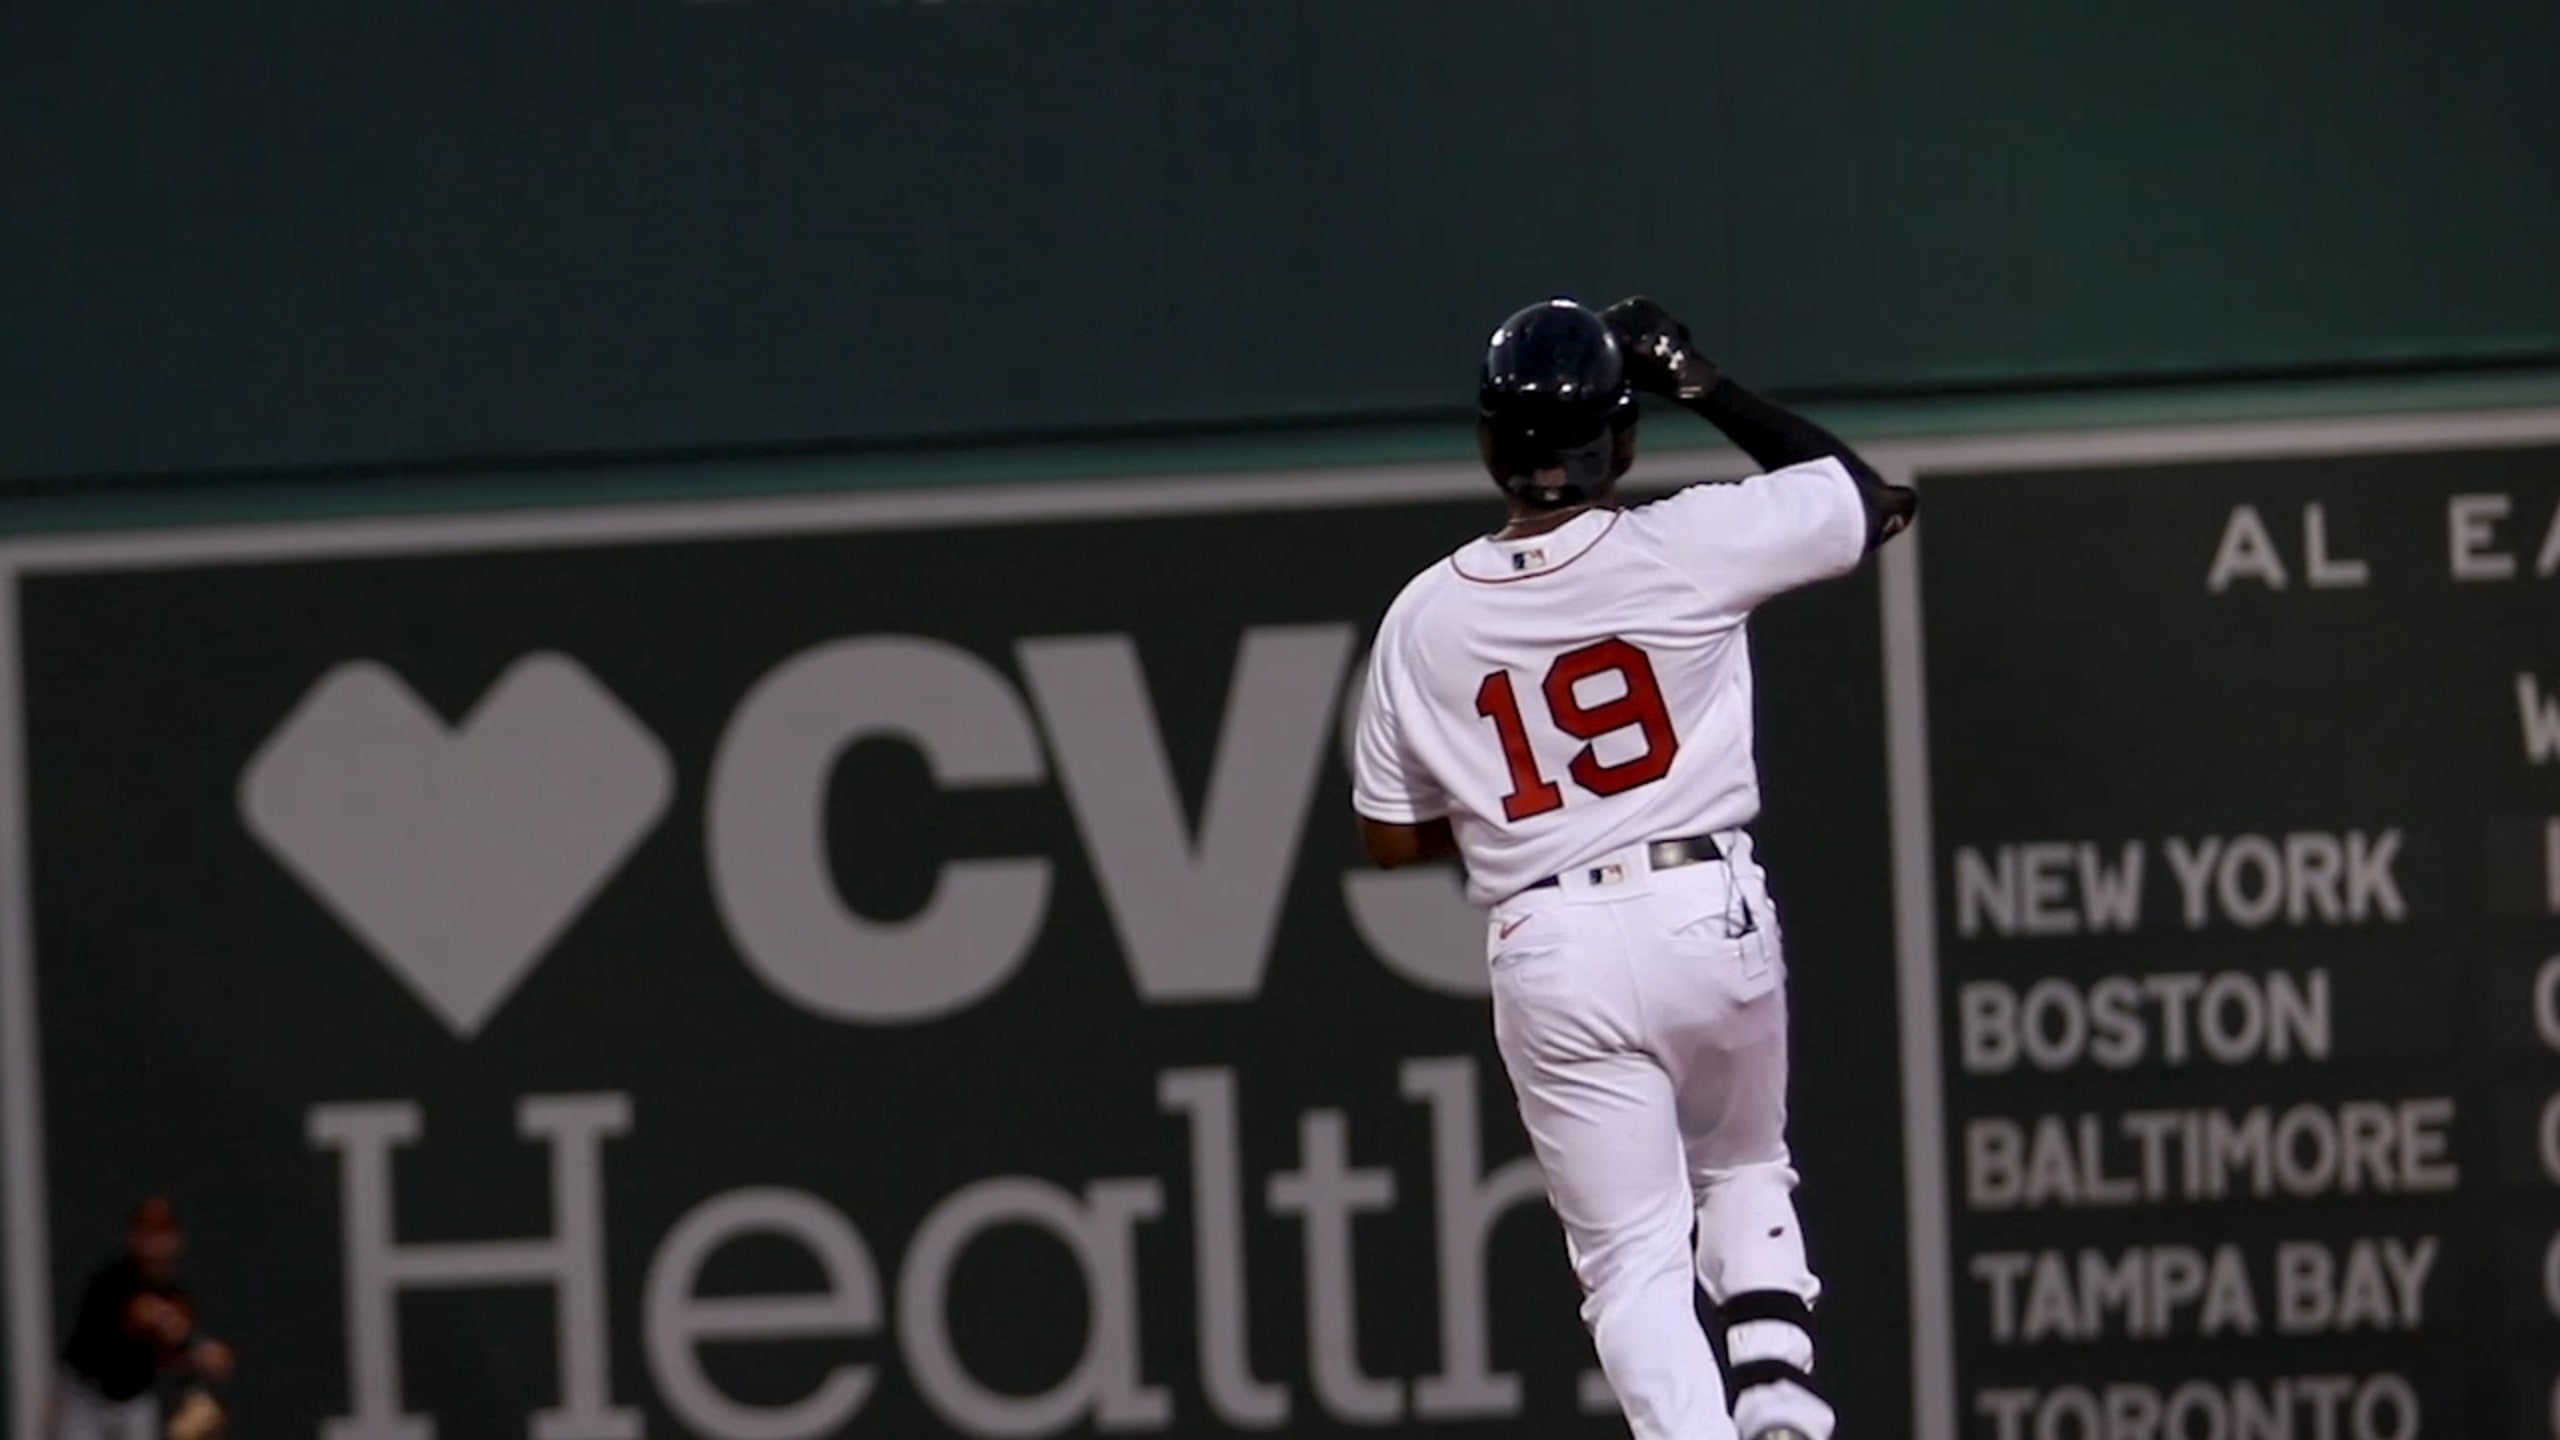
[1528, 560]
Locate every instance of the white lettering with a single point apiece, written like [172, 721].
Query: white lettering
[1421, 925]
[2246, 552]
[2198, 1411]
[2471, 523]
[1104, 1383]
[2194, 869]
[2152, 1131]
[2100, 1188]
[2133, 1412]
[677, 1320]
[2301, 1407]
[2069, 1415]
[2049, 1003]
[2284, 1407]
[2230, 1305]
[2539, 715]
[2401, 1400]
[1470, 1203]
[2330, 1394]
[570, 1260]
[2048, 883]
[1992, 1147]
[1982, 891]
[2548, 1139]
[2546, 1002]
[2144, 1292]
[2112, 897]
[2298, 1010]
[1326, 1192]
[1988, 1012]
[2373, 887]
[2146, 1157]
[2323, 570]
[2233, 1017]
[2175, 992]
[1195, 907]
[2029, 889]
[2426, 1145]
[2050, 1170]
[2115, 1022]
[2406, 1265]
[1208, 1096]
[2002, 1270]
[2364, 1147]
[2243, 1147]
[1594, 1391]
[766, 830]
[688, 1320]
[2116, 1289]
[2306, 876]
[2050, 1311]
[2177, 1279]
[2305, 1151]
[2251, 901]
[2371, 1285]
[2008, 1409]
[2315, 865]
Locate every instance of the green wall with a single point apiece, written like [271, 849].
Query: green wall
[410, 233]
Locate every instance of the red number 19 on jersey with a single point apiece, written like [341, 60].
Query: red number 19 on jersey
[1640, 708]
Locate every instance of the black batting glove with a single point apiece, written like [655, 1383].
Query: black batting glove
[1661, 359]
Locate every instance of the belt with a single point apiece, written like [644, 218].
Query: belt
[1659, 855]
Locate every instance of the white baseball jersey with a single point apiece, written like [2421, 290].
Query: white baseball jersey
[1561, 696]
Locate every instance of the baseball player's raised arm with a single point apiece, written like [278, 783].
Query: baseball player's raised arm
[1663, 360]
[1742, 542]
[1776, 437]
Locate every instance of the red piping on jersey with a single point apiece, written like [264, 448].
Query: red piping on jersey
[1614, 517]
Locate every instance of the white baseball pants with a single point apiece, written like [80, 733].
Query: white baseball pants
[1642, 1018]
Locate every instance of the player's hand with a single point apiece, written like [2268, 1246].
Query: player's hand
[1661, 358]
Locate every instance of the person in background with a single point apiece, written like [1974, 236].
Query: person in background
[134, 1335]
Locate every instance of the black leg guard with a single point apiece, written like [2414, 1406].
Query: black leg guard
[1742, 1376]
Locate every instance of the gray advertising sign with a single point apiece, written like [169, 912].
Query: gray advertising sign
[890, 964]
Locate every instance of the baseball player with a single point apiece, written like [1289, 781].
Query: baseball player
[1565, 706]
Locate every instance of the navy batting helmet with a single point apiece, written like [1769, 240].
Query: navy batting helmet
[1553, 396]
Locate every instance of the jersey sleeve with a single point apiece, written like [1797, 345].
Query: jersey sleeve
[1387, 782]
[1747, 541]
